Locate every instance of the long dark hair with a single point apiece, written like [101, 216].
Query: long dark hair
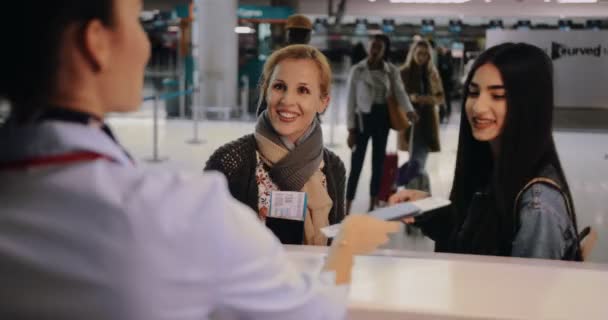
[29, 67]
[527, 146]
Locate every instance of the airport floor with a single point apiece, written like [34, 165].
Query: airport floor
[584, 155]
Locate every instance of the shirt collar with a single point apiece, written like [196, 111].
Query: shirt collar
[52, 137]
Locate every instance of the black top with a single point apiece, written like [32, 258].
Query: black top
[237, 161]
[452, 236]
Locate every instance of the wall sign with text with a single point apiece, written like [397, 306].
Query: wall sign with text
[580, 61]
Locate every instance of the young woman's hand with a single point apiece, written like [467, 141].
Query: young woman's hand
[407, 196]
[409, 220]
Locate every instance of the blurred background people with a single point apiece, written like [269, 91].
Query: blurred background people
[445, 66]
[371, 83]
[298, 29]
[422, 82]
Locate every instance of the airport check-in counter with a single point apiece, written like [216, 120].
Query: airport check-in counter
[415, 285]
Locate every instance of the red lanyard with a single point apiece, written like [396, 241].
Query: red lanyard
[61, 159]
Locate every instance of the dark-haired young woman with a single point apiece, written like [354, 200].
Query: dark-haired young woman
[510, 196]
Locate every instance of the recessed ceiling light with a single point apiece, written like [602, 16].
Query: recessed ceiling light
[577, 1]
[488, 1]
[244, 30]
[430, 1]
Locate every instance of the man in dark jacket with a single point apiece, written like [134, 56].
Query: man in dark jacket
[299, 29]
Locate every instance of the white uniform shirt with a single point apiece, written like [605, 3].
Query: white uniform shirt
[106, 239]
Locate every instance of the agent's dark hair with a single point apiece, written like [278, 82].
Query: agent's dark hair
[527, 146]
[35, 32]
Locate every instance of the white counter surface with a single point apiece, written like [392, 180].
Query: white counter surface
[414, 285]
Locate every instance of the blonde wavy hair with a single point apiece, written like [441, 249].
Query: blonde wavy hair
[410, 61]
[298, 51]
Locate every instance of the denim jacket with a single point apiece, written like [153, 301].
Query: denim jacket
[546, 230]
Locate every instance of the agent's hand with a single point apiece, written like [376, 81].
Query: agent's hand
[359, 234]
[352, 139]
[413, 117]
[363, 234]
[407, 196]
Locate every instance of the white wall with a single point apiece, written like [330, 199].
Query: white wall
[580, 61]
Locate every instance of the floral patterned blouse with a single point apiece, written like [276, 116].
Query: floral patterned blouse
[266, 186]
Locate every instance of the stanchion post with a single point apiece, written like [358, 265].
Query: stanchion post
[155, 129]
[155, 155]
[181, 78]
[333, 118]
[182, 88]
[245, 98]
[195, 119]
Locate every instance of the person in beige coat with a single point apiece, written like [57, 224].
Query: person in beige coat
[423, 84]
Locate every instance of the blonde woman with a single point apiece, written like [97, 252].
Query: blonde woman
[423, 84]
[286, 152]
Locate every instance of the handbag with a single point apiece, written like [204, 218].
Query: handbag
[397, 116]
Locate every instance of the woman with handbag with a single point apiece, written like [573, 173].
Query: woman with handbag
[423, 84]
[372, 84]
[510, 196]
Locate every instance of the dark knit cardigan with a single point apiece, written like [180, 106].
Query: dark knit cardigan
[237, 161]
